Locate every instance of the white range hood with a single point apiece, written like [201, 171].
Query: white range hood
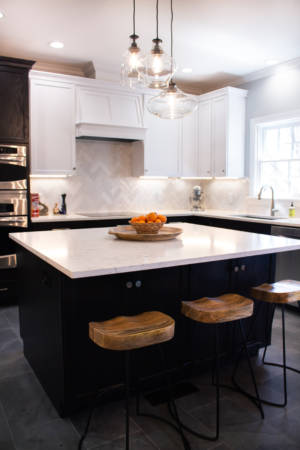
[109, 132]
[109, 113]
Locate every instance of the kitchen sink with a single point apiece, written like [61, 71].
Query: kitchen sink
[258, 216]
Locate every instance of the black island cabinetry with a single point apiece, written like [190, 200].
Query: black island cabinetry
[55, 311]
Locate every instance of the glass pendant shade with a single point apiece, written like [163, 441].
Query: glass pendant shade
[172, 103]
[157, 67]
[132, 65]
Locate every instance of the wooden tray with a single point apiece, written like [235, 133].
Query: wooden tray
[128, 233]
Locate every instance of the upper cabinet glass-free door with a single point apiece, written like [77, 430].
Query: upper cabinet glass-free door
[52, 108]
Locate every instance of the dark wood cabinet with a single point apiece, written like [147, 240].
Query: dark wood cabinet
[14, 111]
[55, 312]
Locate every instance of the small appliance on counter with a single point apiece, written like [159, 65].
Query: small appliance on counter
[197, 199]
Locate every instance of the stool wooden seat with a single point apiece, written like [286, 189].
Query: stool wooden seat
[285, 291]
[225, 308]
[132, 332]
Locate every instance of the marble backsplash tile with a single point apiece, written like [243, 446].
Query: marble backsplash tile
[103, 182]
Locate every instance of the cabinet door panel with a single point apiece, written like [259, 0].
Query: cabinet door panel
[161, 146]
[189, 151]
[219, 126]
[204, 140]
[52, 128]
[14, 106]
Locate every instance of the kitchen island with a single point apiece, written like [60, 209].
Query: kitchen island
[68, 278]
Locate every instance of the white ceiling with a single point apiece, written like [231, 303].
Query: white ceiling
[218, 39]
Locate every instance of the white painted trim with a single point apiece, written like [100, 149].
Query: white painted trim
[255, 135]
[110, 131]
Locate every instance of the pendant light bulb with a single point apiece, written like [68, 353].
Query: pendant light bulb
[132, 60]
[172, 103]
[157, 67]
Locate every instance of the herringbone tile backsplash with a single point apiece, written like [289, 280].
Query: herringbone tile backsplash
[103, 182]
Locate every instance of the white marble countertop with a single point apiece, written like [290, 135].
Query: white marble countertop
[90, 252]
[213, 213]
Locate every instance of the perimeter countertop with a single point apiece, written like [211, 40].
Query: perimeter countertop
[212, 213]
[90, 252]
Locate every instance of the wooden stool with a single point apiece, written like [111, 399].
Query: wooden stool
[127, 333]
[223, 309]
[280, 293]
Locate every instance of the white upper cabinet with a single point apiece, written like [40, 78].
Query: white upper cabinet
[213, 137]
[52, 125]
[159, 154]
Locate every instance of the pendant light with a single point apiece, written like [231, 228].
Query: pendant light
[172, 103]
[158, 67]
[132, 60]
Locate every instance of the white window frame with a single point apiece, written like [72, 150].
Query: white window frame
[256, 127]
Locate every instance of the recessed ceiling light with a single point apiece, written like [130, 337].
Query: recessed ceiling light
[56, 44]
[187, 70]
[271, 62]
[1, 15]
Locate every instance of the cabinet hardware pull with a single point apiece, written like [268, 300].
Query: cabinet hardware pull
[3, 289]
[138, 283]
[236, 268]
[129, 284]
[243, 267]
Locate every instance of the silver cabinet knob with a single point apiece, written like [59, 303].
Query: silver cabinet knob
[129, 284]
[138, 283]
[243, 267]
[236, 268]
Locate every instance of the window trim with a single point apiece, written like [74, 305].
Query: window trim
[255, 138]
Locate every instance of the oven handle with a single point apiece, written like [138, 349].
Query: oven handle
[14, 162]
[13, 222]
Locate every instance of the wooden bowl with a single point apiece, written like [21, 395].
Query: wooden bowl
[147, 228]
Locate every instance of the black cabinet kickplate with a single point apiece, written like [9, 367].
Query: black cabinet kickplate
[160, 396]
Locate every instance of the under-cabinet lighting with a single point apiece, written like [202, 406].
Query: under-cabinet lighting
[56, 44]
[187, 70]
[195, 178]
[50, 176]
[153, 178]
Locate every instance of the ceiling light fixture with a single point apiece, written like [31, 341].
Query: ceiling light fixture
[2, 15]
[57, 44]
[158, 67]
[172, 103]
[187, 70]
[130, 74]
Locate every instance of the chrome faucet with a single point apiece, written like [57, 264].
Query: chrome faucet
[273, 209]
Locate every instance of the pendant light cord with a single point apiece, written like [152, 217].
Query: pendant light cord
[172, 18]
[133, 17]
[157, 1]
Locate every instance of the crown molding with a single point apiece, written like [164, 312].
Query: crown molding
[267, 72]
[65, 69]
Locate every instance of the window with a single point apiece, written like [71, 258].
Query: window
[277, 157]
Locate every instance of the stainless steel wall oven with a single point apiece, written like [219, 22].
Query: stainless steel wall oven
[13, 211]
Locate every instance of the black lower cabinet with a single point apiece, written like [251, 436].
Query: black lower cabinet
[55, 312]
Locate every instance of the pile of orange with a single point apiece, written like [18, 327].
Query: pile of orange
[150, 218]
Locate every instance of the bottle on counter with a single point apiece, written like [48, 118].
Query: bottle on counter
[292, 210]
[63, 209]
[35, 200]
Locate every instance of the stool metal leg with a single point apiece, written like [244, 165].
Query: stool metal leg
[127, 395]
[259, 403]
[171, 403]
[217, 385]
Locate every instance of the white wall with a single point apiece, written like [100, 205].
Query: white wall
[277, 94]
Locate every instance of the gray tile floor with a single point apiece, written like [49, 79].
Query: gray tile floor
[28, 421]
